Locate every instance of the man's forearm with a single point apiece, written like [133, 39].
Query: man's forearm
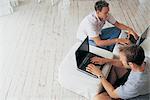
[114, 62]
[109, 88]
[121, 26]
[107, 42]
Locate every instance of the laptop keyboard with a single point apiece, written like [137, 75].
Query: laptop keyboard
[87, 61]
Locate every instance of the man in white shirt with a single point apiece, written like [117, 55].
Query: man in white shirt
[92, 26]
[137, 86]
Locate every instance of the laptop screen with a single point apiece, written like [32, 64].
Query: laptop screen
[82, 51]
[143, 36]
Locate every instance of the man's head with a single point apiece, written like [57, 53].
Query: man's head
[133, 54]
[102, 9]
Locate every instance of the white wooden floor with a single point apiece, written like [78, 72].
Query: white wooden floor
[36, 38]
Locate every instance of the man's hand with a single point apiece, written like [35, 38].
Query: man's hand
[94, 70]
[127, 28]
[123, 41]
[108, 87]
[98, 60]
[131, 31]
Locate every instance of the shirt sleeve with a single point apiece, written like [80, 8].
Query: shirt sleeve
[126, 91]
[91, 30]
[111, 19]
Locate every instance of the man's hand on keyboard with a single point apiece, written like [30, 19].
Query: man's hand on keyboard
[132, 32]
[98, 60]
[93, 69]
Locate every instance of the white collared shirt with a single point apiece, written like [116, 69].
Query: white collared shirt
[91, 26]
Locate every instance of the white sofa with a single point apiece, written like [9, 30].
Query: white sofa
[79, 82]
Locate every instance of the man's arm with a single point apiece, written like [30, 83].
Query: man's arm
[124, 27]
[100, 42]
[108, 87]
[115, 62]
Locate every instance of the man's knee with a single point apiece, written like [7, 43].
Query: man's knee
[102, 96]
[117, 31]
[96, 97]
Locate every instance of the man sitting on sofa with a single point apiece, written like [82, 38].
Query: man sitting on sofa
[92, 25]
[138, 81]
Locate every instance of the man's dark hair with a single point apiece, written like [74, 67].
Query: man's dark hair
[134, 54]
[100, 4]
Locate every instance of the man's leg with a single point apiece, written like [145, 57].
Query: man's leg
[116, 74]
[123, 79]
[103, 96]
[91, 42]
[110, 33]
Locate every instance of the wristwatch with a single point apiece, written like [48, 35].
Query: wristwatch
[101, 77]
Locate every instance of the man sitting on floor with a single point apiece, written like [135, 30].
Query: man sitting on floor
[138, 81]
[92, 26]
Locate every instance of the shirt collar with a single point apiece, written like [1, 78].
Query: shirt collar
[97, 17]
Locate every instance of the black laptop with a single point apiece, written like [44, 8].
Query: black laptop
[140, 39]
[83, 58]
